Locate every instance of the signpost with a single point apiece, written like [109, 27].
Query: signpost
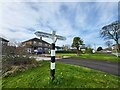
[54, 38]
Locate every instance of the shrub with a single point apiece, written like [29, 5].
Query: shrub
[114, 51]
[18, 60]
[89, 50]
[6, 68]
[8, 50]
[21, 60]
[68, 51]
[11, 64]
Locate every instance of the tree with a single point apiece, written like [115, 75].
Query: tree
[13, 42]
[99, 49]
[108, 43]
[88, 46]
[65, 47]
[76, 43]
[111, 31]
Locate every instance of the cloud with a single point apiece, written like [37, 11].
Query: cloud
[84, 19]
[60, 1]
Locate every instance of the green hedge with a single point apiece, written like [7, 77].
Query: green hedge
[114, 51]
[68, 51]
[15, 60]
[89, 50]
[9, 61]
[75, 51]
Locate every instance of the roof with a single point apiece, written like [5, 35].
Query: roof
[3, 39]
[36, 39]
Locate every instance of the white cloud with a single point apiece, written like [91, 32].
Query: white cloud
[60, 1]
[21, 20]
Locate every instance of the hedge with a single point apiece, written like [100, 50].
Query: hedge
[68, 51]
[9, 61]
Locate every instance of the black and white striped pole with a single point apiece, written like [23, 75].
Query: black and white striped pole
[52, 66]
[54, 38]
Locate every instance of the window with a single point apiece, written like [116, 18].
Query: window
[45, 48]
[29, 50]
[40, 43]
[34, 42]
[39, 48]
[45, 44]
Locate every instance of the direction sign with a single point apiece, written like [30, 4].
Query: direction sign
[47, 35]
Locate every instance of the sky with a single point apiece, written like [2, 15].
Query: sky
[20, 20]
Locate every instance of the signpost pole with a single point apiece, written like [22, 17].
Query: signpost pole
[52, 71]
[54, 38]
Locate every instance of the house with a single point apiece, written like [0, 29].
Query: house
[3, 41]
[82, 47]
[106, 50]
[36, 44]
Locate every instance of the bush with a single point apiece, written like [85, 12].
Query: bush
[8, 50]
[21, 60]
[89, 50]
[6, 68]
[68, 51]
[18, 60]
[114, 51]
[12, 64]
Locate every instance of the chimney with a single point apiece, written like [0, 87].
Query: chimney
[40, 38]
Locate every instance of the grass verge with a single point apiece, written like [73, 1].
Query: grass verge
[67, 76]
[96, 56]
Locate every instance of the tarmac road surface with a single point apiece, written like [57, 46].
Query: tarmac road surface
[101, 65]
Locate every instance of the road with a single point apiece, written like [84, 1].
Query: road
[105, 66]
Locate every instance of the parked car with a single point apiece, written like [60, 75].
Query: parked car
[37, 51]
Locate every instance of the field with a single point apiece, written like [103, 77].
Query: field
[94, 56]
[67, 76]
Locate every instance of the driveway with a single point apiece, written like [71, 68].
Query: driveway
[105, 66]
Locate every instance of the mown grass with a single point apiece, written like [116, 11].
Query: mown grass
[96, 56]
[67, 76]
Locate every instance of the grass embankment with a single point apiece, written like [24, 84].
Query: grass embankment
[67, 76]
[94, 56]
